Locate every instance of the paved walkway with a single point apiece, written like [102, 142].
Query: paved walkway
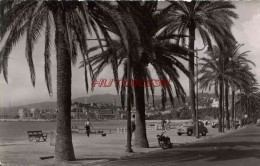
[241, 148]
[87, 150]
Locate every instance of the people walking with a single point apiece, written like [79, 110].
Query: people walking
[133, 123]
[87, 126]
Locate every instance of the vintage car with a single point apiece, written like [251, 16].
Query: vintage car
[258, 122]
[215, 124]
[187, 128]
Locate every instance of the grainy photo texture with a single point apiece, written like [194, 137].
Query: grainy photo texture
[141, 83]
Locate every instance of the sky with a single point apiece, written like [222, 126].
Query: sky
[19, 90]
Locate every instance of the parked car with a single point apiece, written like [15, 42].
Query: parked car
[188, 129]
[258, 122]
[215, 124]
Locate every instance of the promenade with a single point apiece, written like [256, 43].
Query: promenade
[88, 150]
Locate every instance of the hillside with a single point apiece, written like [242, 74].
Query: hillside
[103, 98]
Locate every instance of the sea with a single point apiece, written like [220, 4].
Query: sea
[12, 131]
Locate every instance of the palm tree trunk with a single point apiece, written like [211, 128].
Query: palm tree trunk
[191, 70]
[64, 147]
[220, 105]
[241, 110]
[247, 109]
[226, 101]
[233, 108]
[140, 132]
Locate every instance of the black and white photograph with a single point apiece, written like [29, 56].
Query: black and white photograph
[129, 83]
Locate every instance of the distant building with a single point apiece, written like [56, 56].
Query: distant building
[166, 112]
[35, 113]
[24, 113]
[114, 102]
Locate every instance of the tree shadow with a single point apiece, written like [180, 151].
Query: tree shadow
[13, 144]
[217, 155]
[248, 135]
[222, 144]
[95, 158]
[211, 152]
[154, 147]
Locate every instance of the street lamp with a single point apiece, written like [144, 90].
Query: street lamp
[129, 130]
[197, 87]
[223, 89]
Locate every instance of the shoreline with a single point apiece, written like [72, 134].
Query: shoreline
[80, 120]
[26, 120]
[49, 120]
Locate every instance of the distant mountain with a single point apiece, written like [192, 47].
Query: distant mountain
[105, 98]
[14, 110]
[102, 98]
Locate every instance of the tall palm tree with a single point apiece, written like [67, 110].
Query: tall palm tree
[235, 86]
[143, 23]
[72, 21]
[215, 71]
[212, 19]
[248, 100]
[165, 65]
[235, 61]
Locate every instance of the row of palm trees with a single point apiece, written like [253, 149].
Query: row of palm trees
[228, 69]
[139, 32]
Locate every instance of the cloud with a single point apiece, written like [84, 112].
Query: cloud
[251, 30]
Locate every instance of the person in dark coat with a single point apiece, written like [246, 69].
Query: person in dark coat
[133, 123]
[87, 126]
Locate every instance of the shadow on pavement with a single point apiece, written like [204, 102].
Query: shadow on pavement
[204, 151]
[222, 144]
[88, 158]
[217, 155]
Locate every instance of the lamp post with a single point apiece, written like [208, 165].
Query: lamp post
[129, 130]
[197, 88]
[223, 114]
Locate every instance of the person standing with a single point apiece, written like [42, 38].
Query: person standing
[133, 123]
[132, 126]
[87, 126]
[163, 122]
[168, 123]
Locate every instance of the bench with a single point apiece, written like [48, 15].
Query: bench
[37, 135]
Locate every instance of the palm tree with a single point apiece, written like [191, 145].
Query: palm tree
[153, 49]
[143, 23]
[235, 61]
[248, 100]
[246, 78]
[72, 21]
[212, 19]
[215, 71]
[166, 63]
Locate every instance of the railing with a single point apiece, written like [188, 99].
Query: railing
[82, 130]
